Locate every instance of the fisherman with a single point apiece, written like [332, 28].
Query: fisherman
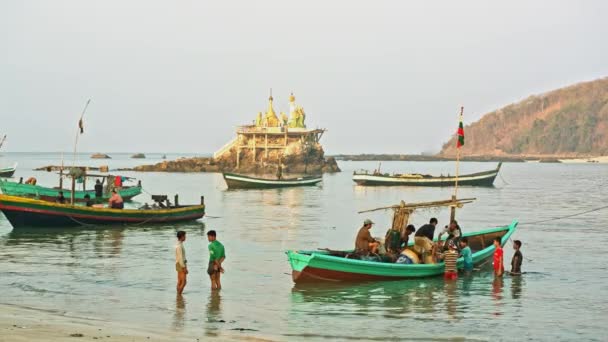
[99, 188]
[396, 242]
[454, 233]
[60, 198]
[365, 243]
[499, 267]
[117, 182]
[279, 172]
[87, 199]
[180, 262]
[450, 258]
[517, 258]
[115, 201]
[467, 255]
[217, 255]
[423, 239]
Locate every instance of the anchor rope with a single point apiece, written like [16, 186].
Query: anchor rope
[567, 216]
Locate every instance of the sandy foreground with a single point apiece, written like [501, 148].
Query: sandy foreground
[27, 324]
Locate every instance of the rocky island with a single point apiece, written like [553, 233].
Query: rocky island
[100, 156]
[261, 147]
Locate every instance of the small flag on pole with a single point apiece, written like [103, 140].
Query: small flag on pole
[81, 126]
[460, 141]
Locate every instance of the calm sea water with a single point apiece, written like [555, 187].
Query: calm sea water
[127, 274]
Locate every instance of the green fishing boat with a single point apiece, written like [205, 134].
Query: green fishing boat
[26, 212]
[314, 266]
[336, 266]
[50, 194]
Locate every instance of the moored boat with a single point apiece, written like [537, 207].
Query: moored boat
[8, 172]
[485, 178]
[316, 266]
[236, 181]
[26, 212]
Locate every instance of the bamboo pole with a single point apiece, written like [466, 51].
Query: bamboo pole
[78, 130]
[453, 209]
[421, 205]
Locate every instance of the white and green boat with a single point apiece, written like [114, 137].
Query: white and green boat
[237, 181]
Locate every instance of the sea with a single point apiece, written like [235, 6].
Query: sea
[127, 274]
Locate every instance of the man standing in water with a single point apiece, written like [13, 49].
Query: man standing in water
[216, 258]
[180, 262]
[499, 266]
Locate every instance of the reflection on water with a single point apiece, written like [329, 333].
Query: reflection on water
[516, 286]
[214, 314]
[180, 312]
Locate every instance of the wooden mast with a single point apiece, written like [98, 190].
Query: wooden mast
[453, 208]
[79, 130]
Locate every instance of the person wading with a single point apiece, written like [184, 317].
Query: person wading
[180, 262]
[217, 255]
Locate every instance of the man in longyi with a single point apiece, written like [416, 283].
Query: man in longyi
[365, 243]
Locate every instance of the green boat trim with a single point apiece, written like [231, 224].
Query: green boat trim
[323, 266]
[50, 194]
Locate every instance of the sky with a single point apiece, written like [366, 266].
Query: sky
[380, 76]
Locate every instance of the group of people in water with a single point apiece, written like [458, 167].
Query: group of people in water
[398, 249]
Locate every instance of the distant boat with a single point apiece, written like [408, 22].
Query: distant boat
[26, 212]
[485, 178]
[236, 181]
[8, 172]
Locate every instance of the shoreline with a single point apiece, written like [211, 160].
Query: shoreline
[18, 323]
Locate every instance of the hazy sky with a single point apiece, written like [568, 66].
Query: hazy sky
[381, 76]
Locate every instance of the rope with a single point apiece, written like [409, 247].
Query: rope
[567, 216]
[80, 223]
[501, 178]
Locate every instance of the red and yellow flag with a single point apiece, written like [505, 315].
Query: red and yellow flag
[460, 141]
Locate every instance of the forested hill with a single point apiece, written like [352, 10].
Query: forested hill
[571, 121]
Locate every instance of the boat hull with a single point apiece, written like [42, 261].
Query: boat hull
[320, 266]
[8, 172]
[24, 212]
[235, 181]
[485, 178]
[50, 194]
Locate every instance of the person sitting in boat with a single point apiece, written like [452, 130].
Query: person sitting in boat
[454, 233]
[60, 198]
[31, 181]
[115, 201]
[423, 239]
[99, 188]
[365, 243]
[396, 242]
[118, 182]
[87, 200]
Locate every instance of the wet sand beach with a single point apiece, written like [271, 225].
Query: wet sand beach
[28, 324]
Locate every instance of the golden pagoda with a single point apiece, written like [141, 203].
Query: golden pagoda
[270, 137]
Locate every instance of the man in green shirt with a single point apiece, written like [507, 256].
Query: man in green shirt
[216, 257]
